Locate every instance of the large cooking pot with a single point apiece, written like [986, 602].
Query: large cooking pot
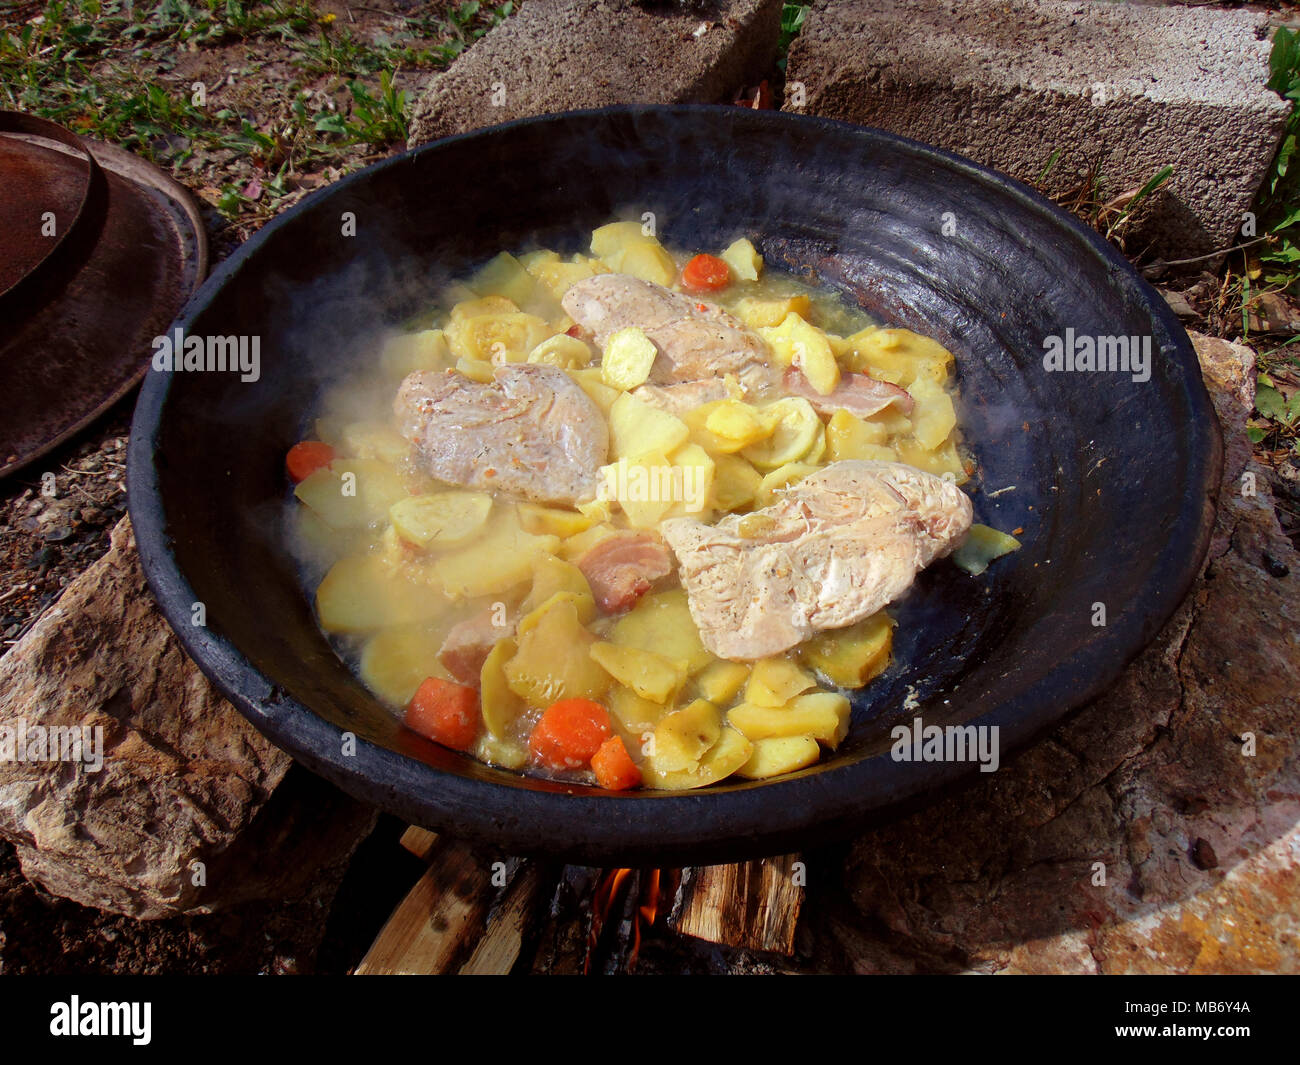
[1111, 477]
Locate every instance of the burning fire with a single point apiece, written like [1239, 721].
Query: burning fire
[608, 899]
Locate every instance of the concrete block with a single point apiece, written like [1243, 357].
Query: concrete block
[564, 55]
[1125, 89]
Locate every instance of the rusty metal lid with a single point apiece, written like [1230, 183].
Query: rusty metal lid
[99, 251]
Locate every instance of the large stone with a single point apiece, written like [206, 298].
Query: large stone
[1009, 83]
[1153, 831]
[186, 813]
[565, 55]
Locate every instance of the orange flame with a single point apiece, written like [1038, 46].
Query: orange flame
[608, 892]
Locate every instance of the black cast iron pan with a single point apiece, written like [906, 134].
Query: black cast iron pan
[1112, 479]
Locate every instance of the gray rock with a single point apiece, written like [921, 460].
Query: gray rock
[1010, 82]
[565, 55]
[186, 812]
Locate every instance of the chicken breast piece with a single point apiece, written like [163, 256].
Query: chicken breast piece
[532, 433]
[836, 548]
[695, 339]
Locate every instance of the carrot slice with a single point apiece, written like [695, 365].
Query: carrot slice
[615, 770]
[306, 458]
[444, 712]
[706, 273]
[569, 733]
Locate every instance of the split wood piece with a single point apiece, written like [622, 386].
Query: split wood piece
[419, 841]
[499, 948]
[434, 926]
[753, 905]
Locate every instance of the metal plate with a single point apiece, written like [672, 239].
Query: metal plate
[78, 325]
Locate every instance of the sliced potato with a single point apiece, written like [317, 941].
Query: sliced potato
[500, 559]
[775, 681]
[504, 275]
[933, 416]
[352, 493]
[796, 431]
[362, 594]
[636, 715]
[822, 715]
[476, 307]
[759, 313]
[661, 622]
[553, 521]
[650, 675]
[636, 428]
[562, 350]
[494, 750]
[501, 706]
[744, 260]
[945, 459]
[796, 341]
[645, 487]
[627, 358]
[851, 656]
[848, 436]
[649, 262]
[552, 576]
[479, 370]
[375, 440]
[780, 754]
[982, 546]
[726, 756]
[721, 681]
[497, 338]
[397, 660]
[408, 353]
[739, 424]
[735, 482]
[550, 662]
[442, 519]
[684, 736]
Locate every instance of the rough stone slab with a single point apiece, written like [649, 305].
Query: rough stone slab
[184, 777]
[566, 55]
[1009, 82]
[1200, 841]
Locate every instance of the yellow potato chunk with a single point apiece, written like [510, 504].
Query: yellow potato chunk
[775, 681]
[780, 754]
[637, 716]
[562, 350]
[550, 662]
[479, 370]
[739, 424]
[362, 593]
[899, 356]
[558, 277]
[662, 623]
[591, 382]
[578, 545]
[685, 736]
[649, 262]
[735, 482]
[352, 493]
[440, 520]
[494, 750]
[743, 258]
[628, 356]
[501, 706]
[636, 428]
[797, 342]
[945, 459]
[726, 756]
[375, 440]
[933, 417]
[552, 521]
[645, 487]
[397, 660]
[497, 338]
[504, 275]
[982, 546]
[850, 437]
[650, 675]
[760, 313]
[409, 352]
[495, 562]
[721, 681]
[697, 470]
[476, 308]
[796, 433]
[822, 715]
[851, 656]
[551, 576]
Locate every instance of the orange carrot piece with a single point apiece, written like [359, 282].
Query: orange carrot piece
[706, 273]
[615, 770]
[306, 458]
[445, 712]
[569, 733]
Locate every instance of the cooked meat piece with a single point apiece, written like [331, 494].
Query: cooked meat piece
[534, 433]
[857, 393]
[835, 548]
[678, 399]
[695, 339]
[623, 567]
[469, 643]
